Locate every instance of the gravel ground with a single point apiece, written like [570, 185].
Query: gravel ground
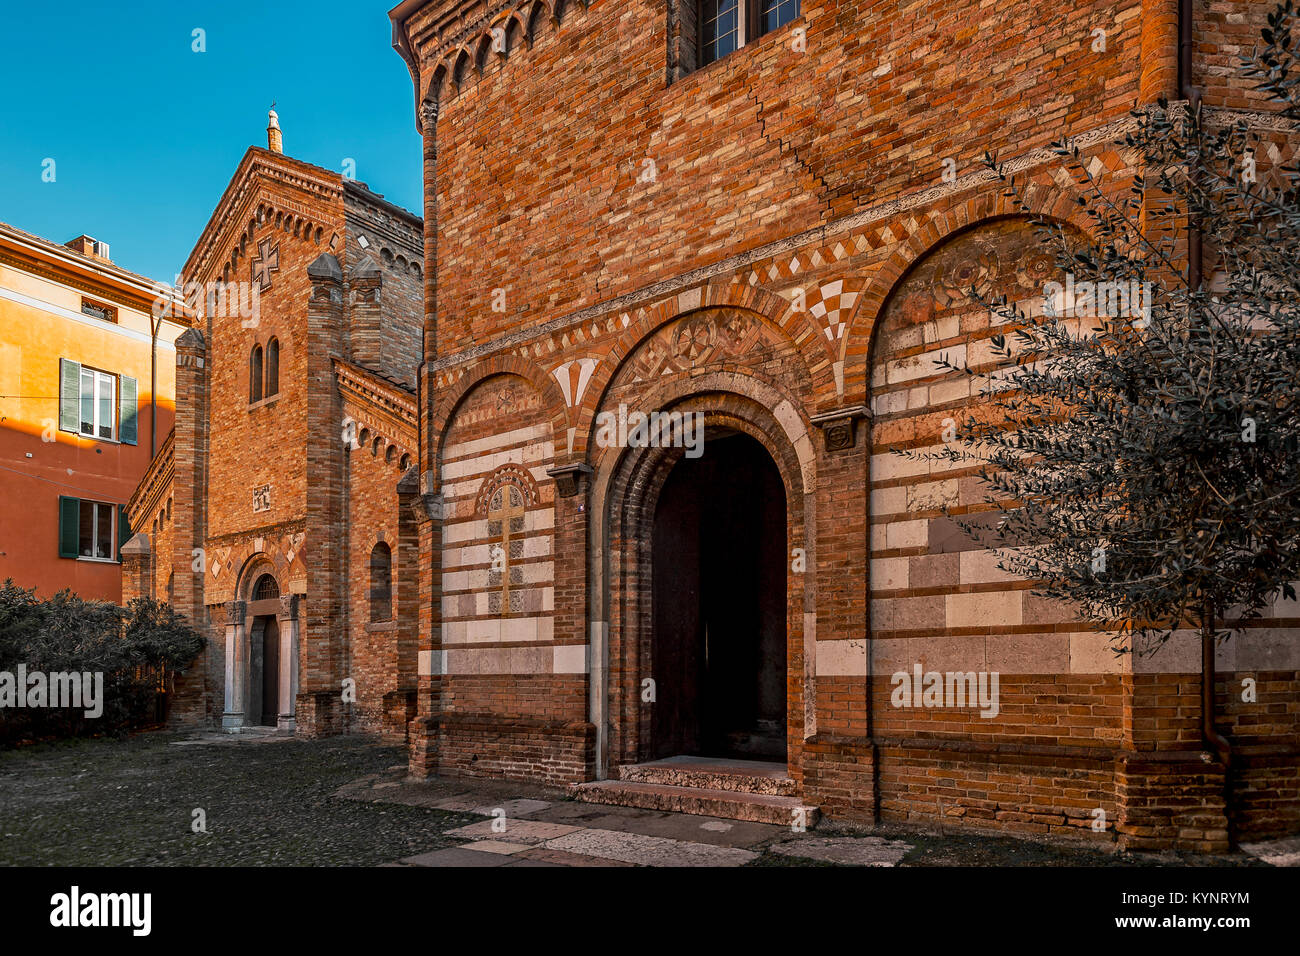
[104, 802]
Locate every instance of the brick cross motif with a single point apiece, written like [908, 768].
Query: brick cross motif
[505, 515]
[267, 261]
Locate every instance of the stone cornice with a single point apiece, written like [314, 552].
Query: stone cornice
[383, 395]
[149, 492]
[355, 192]
[256, 171]
[436, 32]
[103, 280]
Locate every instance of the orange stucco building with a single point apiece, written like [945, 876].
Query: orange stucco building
[78, 412]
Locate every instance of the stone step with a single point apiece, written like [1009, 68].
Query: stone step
[735, 776]
[728, 804]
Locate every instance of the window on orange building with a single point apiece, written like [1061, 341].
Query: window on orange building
[98, 310]
[97, 404]
[91, 530]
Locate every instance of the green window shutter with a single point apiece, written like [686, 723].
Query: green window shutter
[69, 395]
[123, 530]
[127, 413]
[69, 524]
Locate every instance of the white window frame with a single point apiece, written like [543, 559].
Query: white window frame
[96, 379]
[95, 507]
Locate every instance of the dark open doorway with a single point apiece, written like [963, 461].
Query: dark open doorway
[264, 671]
[271, 673]
[719, 605]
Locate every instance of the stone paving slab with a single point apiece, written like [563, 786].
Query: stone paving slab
[850, 851]
[649, 850]
[457, 856]
[661, 823]
[260, 736]
[513, 808]
[565, 858]
[496, 846]
[1277, 852]
[530, 832]
[525, 861]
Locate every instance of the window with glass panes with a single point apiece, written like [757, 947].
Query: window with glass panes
[98, 403]
[726, 25]
[777, 13]
[95, 530]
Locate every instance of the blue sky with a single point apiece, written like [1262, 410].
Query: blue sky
[145, 133]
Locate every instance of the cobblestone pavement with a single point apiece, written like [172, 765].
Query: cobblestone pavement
[273, 800]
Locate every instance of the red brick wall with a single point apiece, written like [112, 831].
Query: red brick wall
[764, 143]
[803, 194]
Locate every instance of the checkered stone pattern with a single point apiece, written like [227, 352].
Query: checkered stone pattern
[832, 306]
[860, 242]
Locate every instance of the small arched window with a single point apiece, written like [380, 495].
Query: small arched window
[272, 368]
[255, 375]
[171, 588]
[265, 588]
[381, 583]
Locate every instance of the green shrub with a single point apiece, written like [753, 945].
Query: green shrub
[138, 649]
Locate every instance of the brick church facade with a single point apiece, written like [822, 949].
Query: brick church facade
[401, 498]
[270, 514]
[770, 217]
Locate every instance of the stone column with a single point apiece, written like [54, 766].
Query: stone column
[288, 619]
[236, 666]
[425, 503]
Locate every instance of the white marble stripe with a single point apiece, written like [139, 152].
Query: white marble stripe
[518, 436]
[483, 465]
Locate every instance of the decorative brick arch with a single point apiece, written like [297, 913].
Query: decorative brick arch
[625, 491]
[767, 306]
[783, 415]
[255, 567]
[437, 83]
[477, 43]
[552, 399]
[508, 474]
[1044, 197]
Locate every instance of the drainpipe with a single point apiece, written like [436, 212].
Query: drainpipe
[154, 326]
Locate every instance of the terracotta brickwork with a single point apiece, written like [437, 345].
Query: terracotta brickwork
[289, 477]
[783, 241]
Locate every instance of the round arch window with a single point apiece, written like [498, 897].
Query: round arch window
[265, 588]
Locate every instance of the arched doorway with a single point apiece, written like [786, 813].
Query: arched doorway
[718, 604]
[264, 653]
